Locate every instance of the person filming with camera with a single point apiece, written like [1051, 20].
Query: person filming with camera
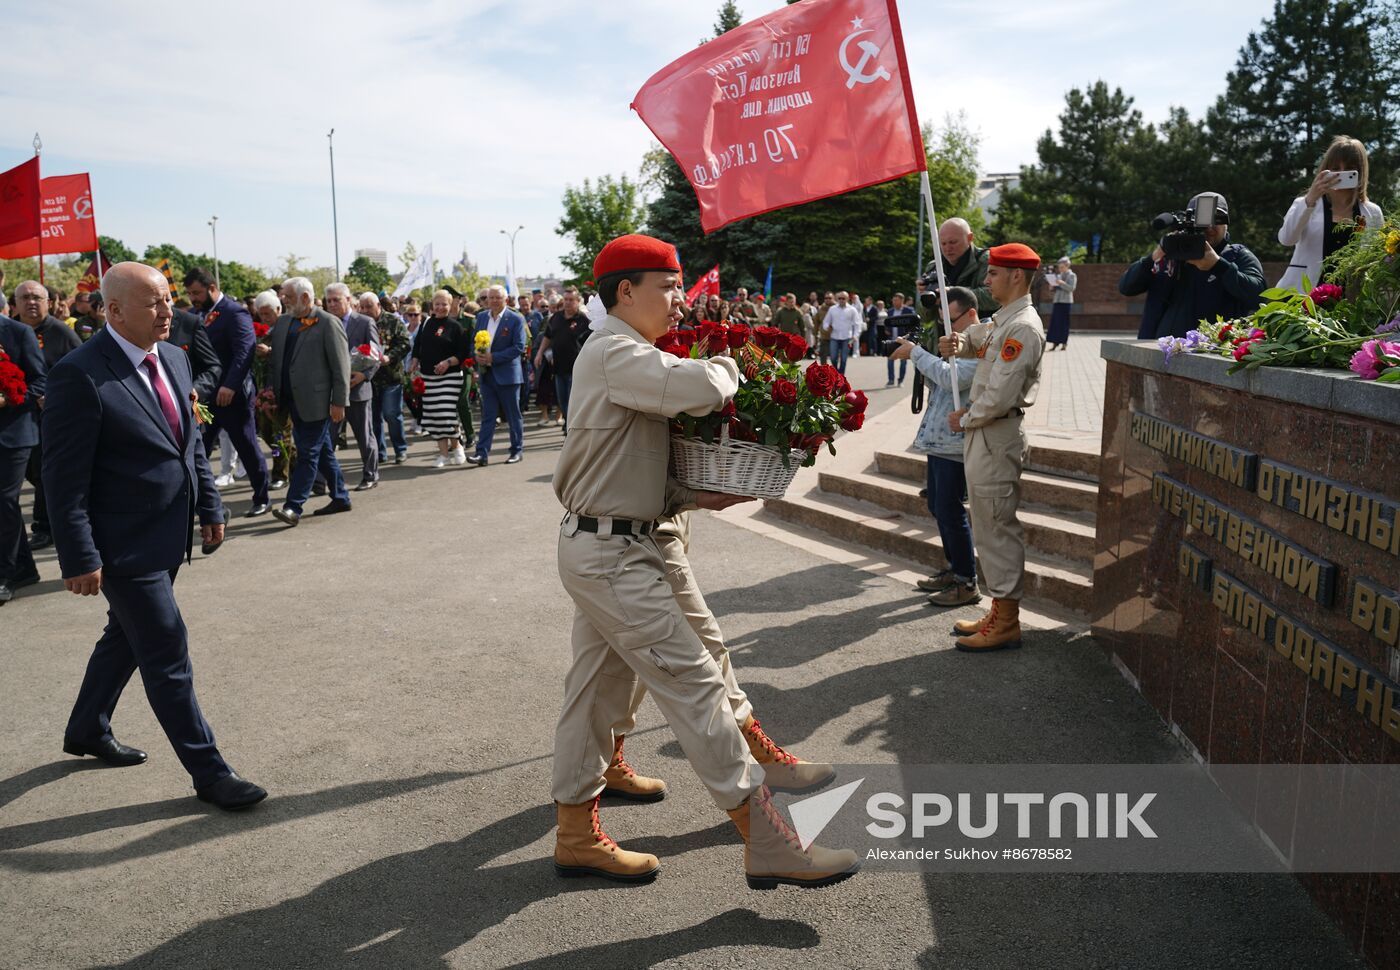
[1195, 271]
[1323, 219]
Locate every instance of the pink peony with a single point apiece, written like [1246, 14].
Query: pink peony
[1367, 362]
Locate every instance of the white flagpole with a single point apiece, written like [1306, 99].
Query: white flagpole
[942, 284]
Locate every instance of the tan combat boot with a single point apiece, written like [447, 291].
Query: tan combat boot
[773, 854]
[966, 628]
[620, 780]
[783, 771]
[1000, 631]
[581, 848]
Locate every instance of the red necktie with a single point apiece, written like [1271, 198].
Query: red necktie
[167, 403]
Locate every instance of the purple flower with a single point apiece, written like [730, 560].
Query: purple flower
[1366, 361]
[1390, 327]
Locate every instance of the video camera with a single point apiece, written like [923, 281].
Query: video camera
[1185, 237]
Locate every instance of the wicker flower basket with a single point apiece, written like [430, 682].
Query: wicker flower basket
[735, 467]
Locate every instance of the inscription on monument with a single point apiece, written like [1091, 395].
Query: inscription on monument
[1376, 610]
[1299, 569]
[1234, 465]
[1363, 516]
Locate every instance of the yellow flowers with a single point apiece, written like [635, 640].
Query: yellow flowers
[1392, 243]
[483, 339]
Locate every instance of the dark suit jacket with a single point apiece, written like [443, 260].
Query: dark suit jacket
[19, 424]
[507, 348]
[360, 329]
[320, 373]
[230, 330]
[122, 495]
[187, 333]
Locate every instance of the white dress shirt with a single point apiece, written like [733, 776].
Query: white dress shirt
[137, 356]
[844, 321]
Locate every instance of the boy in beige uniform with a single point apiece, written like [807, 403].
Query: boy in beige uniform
[612, 478]
[1009, 351]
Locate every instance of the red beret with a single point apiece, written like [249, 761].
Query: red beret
[636, 254]
[1014, 256]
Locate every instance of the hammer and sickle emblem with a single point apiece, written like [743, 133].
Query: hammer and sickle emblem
[868, 52]
[82, 207]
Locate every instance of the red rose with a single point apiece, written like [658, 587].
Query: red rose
[853, 421]
[713, 335]
[767, 337]
[821, 379]
[678, 351]
[728, 411]
[364, 350]
[738, 335]
[814, 442]
[686, 338]
[261, 330]
[795, 348]
[843, 386]
[741, 431]
[419, 386]
[784, 392]
[667, 340]
[858, 401]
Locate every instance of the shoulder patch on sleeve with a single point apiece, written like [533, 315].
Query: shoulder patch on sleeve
[1011, 349]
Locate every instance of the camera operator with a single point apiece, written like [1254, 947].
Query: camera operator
[1317, 231]
[964, 264]
[1225, 280]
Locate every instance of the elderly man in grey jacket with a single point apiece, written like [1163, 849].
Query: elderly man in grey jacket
[310, 373]
[360, 332]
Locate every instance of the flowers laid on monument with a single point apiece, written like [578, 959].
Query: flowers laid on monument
[1335, 325]
[789, 413]
[13, 386]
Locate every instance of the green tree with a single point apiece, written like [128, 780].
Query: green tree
[1315, 69]
[729, 18]
[368, 276]
[593, 214]
[115, 250]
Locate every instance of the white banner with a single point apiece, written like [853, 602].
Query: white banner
[419, 274]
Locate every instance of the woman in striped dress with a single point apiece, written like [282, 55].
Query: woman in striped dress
[438, 353]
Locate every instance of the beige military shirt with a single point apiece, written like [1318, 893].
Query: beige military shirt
[625, 393]
[1008, 366]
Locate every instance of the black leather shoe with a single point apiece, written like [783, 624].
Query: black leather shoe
[231, 793]
[111, 752]
[514, 458]
[260, 508]
[40, 540]
[335, 507]
[475, 460]
[366, 485]
[286, 515]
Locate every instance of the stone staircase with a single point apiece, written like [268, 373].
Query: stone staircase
[874, 502]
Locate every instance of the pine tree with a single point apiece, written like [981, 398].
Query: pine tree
[1315, 69]
[729, 18]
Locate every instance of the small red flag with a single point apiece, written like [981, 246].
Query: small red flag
[65, 220]
[19, 202]
[707, 285]
[810, 101]
[92, 279]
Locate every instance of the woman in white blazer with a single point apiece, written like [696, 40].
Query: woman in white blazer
[1321, 221]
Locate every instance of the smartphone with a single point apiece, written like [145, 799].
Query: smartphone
[1347, 180]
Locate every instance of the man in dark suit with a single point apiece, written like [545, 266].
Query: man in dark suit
[359, 330]
[55, 338]
[127, 474]
[501, 375]
[310, 374]
[19, 433]
[230, 329]
[187, 332]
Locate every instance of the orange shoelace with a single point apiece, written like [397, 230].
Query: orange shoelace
[620, 763]
[775, 819]
[599, 835]
[768, 745]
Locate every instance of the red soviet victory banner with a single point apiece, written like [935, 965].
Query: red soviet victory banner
[810, 101]
[19, 202]
[92, 278]
[706, 285]
[66, 218]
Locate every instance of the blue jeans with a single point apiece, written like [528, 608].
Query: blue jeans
[315, 453]
[946, 487]
[388, 406]
[563, 384]
[840, 351]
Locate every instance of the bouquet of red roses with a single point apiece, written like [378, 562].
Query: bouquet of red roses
[13, 386]
[779, 419]
[364, 357]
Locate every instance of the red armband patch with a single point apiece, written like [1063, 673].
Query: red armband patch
[1011, 350]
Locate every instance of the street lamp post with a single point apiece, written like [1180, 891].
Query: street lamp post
[214, 230]
[335, 219]
[514, 278]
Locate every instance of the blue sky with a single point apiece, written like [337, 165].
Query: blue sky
[457, 118]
